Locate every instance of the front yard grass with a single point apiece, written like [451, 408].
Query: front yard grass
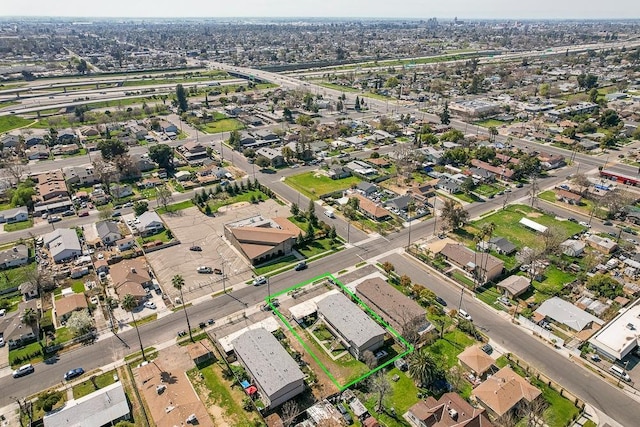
[317, 247]
[314, 184]
[13, 277]
[224, 125]
[162, 236]
[175, 207]
[225, 200]
[87, 387]
[450, 346]
[280, 263]
[16, 226]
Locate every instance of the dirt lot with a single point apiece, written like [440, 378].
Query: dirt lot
[193, 228]
[173, 405]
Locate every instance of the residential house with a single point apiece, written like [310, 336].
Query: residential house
[357, 331]
[361, 168]
[567, 196]
[193, 150]
[514, 286]
[501, 171]
[28, 290]
[449, 185]
[168, 127]
[370, 209]
[106, 406]
[400, 203]
[502, 246]
[481, 175]
[125, 244]
[551, 161]
[450, 410]
[10, 141]
[51, 185]
[403, 314]
[366, 188]
[423, 193]
[37, 152]
[564, 312]
[65, 149]
[14, 257]
[34, 136]
[261, 239]
[108, 231]
[339, 173]
[432, 155]
[182, 176]
[89, 131]
[273, 371]
[485, 266]
[81, 176]
[63, 244]
[267, 136]
[504, 391]
[143, 163]
[66, 136]
[602, 244]
[120, 191]
[149, 223]
[131, 276]
[65, 306]
[573, 247]
[139, 132]
[476, 361]
[274, 156]
[19, 214]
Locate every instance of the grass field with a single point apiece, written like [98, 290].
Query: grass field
[313, 184]
[13, 277]
[162, 236]
[276, 265]
[87, 387]
[224, 125]
[341, 88]
[316, 247]
[8, 123]
[23, 225]
[488, 123]
[175, 207]
[507, 226]
[216, 204]
[554, 281]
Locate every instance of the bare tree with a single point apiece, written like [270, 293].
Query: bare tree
[508, 419]
[380, 385]
[582, 182]
[552, 238]
[455, 377]
[15, 169]
[106, 172]
[616, 199]
[164, 196]
[290, 411]
[533, 411]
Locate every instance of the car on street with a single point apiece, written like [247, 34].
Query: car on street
[607, 223]
[23, 370]
[584, 224]
[464, 315]
[116, 214]
[1, 341]
[150, 304]
[68, 213]
[73, 374]
[260, 280]
[204, 270]
[519, 185]
[487, 348]
[572, 219]
[440, 301]
[83, 213]
[195, 248]
[301, 266]
[54, 218]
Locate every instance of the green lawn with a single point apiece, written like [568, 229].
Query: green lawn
[13, 277]
[276, 265]
[554, 281]
[175, 207]
[316, 247]
[450, 346]
[507, 226]
[489, 296]
[144, 320]
[8, 123]
[225, 200]
[586, 207]
[16, 226]
[489, 122]
[224, 125]
[86, 387]
[31, 353]
[162, 236]
[314, 184]
[403, 395]
[341, 88]
[462, 278]
[488, 189]
[77, 286]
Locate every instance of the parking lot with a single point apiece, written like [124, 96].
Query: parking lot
[191, 227]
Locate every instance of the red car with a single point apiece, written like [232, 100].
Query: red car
[84, 213]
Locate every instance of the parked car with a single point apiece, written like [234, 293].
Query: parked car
[260, 280]
[572, 219]
[54, 218]
[345, 414]
[195, 248]
[68, 213]
[441, 301]
[487, 348]
[116, 214]
[607, 223]
[204, 270]
[150, 304]
[584, 224]
[23, 370]
[2, 342]
[83, 213]
[301, 266]
[381, 354]
[464, 315]
[73, 374]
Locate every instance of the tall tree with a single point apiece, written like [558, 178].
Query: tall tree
[445, 116]
[163, 194]
[453, 215]
[380, 385]
[178, 282]
[162, 154]
[234, 139]
[31, 318]
[181, 96]
[129, 303]
[111, 148]
[423, 368]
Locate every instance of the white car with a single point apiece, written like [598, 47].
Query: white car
[150, 304]
[584, 224]
[260, 280]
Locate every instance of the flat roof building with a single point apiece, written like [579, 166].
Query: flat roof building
[274, 371]
[351, 324]
[620, 336]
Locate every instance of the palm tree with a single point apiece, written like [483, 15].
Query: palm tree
[487, 231]
[129, 303]
[30, 318]
[476, 239]
[178, 282]
[493, 132]
[423, 368]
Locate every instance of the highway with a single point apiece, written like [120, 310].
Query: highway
[581, 382]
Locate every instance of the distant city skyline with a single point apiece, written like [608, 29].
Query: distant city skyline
[409, 9]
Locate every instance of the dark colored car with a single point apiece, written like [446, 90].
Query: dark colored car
[73, 374]
[345, 414]
[487, 348]
[116, 214]
[301, 266]
[441, 301]
[195, 248]
[572, 219]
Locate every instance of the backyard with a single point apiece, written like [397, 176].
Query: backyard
[224, 125]
[162, 236]
[314, 184]
[13, 277]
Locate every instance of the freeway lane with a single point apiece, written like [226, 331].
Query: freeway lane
[583, 383]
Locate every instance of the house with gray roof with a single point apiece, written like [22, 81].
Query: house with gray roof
[15, 256]
[366, 188]
[19, 214]
[274, 372]
[108, 231]
[357, 331]
[149, 223]
[274, 156]
[63, 244]
[568, 314]
[400, 203]
[502, 246]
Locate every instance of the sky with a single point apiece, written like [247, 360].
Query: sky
[470, 9]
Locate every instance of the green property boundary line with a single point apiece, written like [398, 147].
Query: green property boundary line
[371, 313]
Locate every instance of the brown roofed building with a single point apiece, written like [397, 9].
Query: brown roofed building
[51, 190]
[475, 360]
[51, 176]
[501, 171]
[65, 306]
[450, 410]
[392, 305]
[261, 240]
[504, 391]
[130, 277]
[488, 266]
[369, 208]
[567, 196]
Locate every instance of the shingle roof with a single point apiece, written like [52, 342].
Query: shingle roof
[566, 313]
[105, 228]
[503, 390]
[269, 363]
[476, 359]
[70, 303]
[352, 322]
